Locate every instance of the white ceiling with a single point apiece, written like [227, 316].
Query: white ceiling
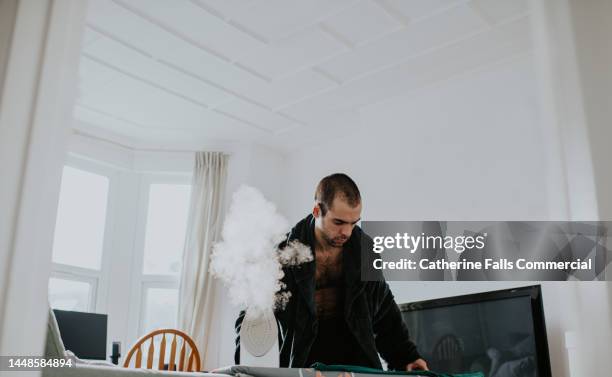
[186, 73]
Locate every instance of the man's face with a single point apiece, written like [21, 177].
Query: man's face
[337, 225]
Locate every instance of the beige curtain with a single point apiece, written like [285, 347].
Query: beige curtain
[196, 297]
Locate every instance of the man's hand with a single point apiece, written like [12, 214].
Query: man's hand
[418, 364]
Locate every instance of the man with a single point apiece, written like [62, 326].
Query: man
[332, 316]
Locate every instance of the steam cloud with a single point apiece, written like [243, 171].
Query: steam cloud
[248, 259]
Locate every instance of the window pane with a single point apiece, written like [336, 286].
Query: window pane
[81, 216]
[69, 294]
[160, 309]
[166, 226]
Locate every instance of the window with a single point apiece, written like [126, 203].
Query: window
[166, 225]
[160, 308]
[70, 294]
[79, 239]
[81, 215]
[163, 240]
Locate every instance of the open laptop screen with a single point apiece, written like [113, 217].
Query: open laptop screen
[83, 333]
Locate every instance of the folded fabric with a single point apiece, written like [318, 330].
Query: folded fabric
[323, 370]
[363, 370]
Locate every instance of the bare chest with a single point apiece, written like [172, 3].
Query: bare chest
[328, 267]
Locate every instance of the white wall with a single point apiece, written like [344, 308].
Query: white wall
[260, 167]
[466, 149]
[592, 30]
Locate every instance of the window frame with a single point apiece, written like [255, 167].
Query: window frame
[66, 272]
[145, 281]
[98, 278]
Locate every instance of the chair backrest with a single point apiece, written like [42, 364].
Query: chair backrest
[448, 353]
[187, 359]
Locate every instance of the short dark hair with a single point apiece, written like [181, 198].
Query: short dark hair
[335, 185]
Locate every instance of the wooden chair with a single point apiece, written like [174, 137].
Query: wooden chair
[448, 354]
[189, 364]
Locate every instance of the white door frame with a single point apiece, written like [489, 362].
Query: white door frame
[38, 93]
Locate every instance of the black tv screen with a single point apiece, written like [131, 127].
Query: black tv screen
[499, 333]
[83, 333]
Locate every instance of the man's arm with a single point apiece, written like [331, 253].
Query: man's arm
[391, 334]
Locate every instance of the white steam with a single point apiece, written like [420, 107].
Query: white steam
[294, 253]
[248, 259]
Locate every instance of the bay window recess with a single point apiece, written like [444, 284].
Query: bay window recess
[118, 245]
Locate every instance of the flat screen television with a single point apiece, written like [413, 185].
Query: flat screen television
[83, 333]
[500, 333]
